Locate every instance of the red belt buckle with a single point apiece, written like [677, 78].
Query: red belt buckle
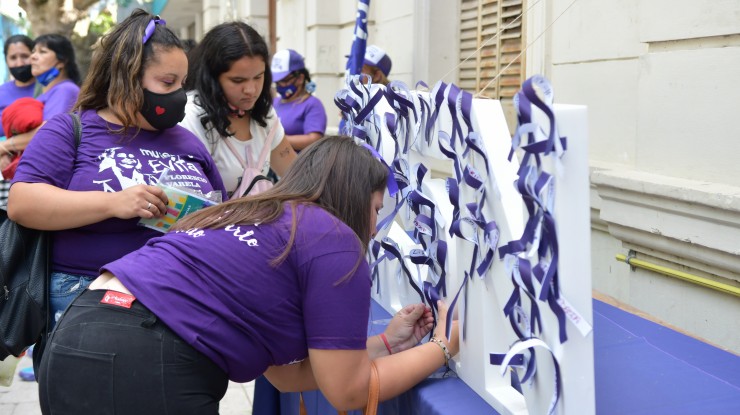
[118, 299]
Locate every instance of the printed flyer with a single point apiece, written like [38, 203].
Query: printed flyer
[181, 203]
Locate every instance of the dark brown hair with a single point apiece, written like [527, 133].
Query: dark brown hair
[215, 54]
[119, 61]
[64, 51]
[334, 173]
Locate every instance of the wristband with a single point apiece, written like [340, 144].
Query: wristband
[385, 341]
[441, 344]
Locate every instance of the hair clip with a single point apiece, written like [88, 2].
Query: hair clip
[149, 31]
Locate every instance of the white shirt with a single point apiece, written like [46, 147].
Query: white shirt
[228, 165]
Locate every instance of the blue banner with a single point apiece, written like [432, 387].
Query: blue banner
[357, 54]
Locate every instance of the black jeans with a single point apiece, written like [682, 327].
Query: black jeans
[105, 359]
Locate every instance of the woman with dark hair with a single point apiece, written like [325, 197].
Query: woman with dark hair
[54, 67]
[93, 193]
[230, 105]
[301, 113]
[17, 51]
[275, 283]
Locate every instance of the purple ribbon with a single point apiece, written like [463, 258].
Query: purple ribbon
[536, 189]
[149, 31]
[390, 246]
[435, 258]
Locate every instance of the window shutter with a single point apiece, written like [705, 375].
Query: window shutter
[480, 21]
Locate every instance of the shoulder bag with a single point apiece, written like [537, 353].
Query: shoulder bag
[24, 280]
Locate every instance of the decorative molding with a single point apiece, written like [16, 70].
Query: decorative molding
[690, 223]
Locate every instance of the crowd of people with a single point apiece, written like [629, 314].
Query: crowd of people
[274, 283]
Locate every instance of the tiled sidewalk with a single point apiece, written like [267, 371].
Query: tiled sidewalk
[21, 398]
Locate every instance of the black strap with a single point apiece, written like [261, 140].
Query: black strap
[78, 127]
[41, 344]
[254, 181]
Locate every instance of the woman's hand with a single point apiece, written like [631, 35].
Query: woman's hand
[453, 343]
[140, 201]
[4, 160]
[409, 326]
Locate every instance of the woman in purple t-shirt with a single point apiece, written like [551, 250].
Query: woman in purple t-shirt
[301, 113]
[54, 67]
[93, 193]
[275, 283]
[17, 52]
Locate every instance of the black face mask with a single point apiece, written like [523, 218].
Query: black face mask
[164, 111]
[22, 73]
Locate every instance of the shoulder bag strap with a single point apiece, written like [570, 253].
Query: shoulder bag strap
[263, 154]
[77, 127]
[267, 148]
[236, 153]
[245, 187]
[373, 391]
[77, 130]
[372, 395]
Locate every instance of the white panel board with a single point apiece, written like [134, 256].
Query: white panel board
[485, 328]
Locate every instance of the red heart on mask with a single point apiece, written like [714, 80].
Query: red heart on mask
[159, 110]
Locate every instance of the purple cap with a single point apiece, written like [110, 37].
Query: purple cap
[375, 56]
[284, 63]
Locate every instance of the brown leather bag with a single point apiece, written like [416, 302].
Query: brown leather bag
[372, 395]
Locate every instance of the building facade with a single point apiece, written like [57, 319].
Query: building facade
[660, 82]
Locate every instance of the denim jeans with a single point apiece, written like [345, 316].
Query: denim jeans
[64, 288]
[107, 359]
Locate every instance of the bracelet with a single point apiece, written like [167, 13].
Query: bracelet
[444, 349]
[385, 341]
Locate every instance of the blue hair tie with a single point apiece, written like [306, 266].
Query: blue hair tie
[149, 31]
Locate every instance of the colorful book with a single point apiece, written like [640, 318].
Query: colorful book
[181, 203]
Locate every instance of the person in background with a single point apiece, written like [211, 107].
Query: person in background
[93, 194]
[275, 283]
[54, 66]
[17, 51]
[302, 115]
[230, 105]
[55, 69]
[377, 65]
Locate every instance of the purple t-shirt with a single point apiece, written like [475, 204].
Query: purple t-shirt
[301, 117]
[9, 92]
[61, 98]
[108, 162]
[216, 289]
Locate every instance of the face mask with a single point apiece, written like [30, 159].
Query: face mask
[164, 111]
[286, 91]
[48, 76]
[22, 73]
